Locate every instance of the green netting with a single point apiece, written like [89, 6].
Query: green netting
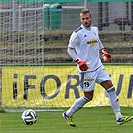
[110, 0]
[6, 1]
[63, 1]
[45, 1]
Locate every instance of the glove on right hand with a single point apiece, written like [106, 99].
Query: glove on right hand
[82, 65]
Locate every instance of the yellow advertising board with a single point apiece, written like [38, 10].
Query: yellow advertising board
[58, 86]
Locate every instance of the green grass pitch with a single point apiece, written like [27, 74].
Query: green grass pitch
[87, 120]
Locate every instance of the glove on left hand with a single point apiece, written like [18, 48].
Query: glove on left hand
[106, 56]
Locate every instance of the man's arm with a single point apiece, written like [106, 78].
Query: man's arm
[72, 53]
[83, 66]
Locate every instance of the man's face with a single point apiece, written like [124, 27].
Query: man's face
[86, 19]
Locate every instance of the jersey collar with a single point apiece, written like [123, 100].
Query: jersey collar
[87, 28]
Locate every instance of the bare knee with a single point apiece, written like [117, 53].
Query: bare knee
[107, 84]
[89, 95]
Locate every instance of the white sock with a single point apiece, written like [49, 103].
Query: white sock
[78, 104]
[114, 102]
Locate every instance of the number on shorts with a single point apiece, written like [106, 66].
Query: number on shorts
[86, 84]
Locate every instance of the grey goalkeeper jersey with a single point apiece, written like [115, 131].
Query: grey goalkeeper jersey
[87, 44]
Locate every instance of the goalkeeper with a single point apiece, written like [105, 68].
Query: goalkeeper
[85, 48]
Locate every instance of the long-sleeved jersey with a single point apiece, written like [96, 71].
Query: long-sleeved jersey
[87, 44]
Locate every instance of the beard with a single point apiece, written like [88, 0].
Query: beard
[87, 24]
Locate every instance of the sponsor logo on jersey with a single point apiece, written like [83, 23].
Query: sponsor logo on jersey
[89, 79]
[92, 42]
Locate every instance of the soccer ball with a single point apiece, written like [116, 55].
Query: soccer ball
[29, 117]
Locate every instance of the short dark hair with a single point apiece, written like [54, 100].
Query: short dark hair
[84, 11]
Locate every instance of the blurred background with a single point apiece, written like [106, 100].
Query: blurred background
[34, 35]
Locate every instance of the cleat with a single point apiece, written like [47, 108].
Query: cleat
[124, 119]
[68, 120]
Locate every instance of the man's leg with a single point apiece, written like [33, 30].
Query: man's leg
[78, 104]
[113, 98]
[115, 103]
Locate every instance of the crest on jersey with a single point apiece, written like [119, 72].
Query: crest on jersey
[92, 42]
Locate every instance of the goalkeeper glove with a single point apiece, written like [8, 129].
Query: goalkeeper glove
[105, 55]
[82, 65]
